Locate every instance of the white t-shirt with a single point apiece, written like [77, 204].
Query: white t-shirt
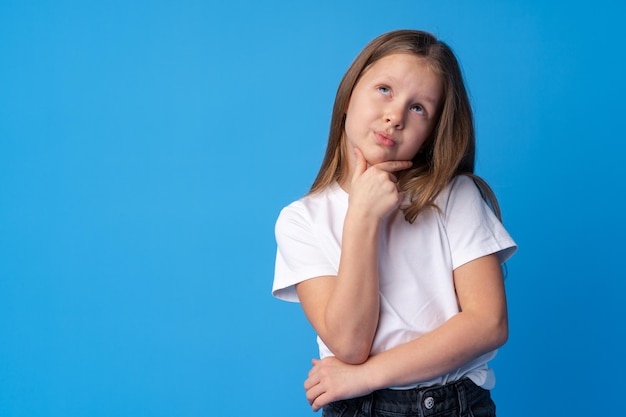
[415, 261]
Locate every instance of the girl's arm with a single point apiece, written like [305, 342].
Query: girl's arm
[480, 327]
[344, 309]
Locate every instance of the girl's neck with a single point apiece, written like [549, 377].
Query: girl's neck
[344, 184]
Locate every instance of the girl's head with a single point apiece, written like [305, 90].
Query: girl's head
[448, 151]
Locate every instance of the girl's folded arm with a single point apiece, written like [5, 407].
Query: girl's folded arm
[480, 327]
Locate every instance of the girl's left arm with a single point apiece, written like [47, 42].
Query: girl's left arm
[480, 327]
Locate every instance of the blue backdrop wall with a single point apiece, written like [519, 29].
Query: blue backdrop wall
[146, 148]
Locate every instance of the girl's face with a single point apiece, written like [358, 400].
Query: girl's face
[393, 109]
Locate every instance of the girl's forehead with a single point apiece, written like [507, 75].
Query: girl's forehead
[394, 58]
[400, 62]
[405, 65]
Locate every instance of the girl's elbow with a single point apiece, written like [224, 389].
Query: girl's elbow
[493, 332]
[501, 338]
[353, 358]
[353, 355]
[499, 333]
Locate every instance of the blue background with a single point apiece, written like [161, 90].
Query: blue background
[146, 148]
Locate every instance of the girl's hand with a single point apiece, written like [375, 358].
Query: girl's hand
[373, 190]
[332, 380]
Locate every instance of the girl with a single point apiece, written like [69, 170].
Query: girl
[395, 253]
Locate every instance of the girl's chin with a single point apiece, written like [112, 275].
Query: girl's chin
[374, 158]
[377, 156]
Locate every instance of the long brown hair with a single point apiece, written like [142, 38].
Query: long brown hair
[451, 148]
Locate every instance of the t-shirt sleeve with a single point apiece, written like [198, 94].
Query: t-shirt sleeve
[472, 228]
[299, 255]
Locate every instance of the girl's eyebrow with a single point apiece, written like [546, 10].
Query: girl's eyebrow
[389, 79]
[430, 100]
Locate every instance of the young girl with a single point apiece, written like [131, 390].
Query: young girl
[395, 254]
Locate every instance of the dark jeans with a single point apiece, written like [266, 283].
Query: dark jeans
[462, 398]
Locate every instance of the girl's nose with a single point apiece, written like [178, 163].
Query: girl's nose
[395, 117]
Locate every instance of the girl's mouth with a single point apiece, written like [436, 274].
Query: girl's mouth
[384, 139]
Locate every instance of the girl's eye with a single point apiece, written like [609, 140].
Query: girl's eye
[384, 90]
[418, 109]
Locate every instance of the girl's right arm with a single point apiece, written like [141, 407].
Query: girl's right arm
[344, 309]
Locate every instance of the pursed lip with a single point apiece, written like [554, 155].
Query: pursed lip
[383, 138]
